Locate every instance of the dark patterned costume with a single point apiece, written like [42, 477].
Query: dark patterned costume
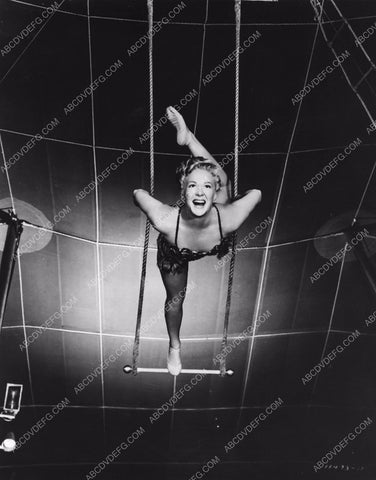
[171, 259]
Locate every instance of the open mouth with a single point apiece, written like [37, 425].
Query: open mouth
[199, 203]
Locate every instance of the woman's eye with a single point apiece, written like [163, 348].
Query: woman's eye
[208, 186]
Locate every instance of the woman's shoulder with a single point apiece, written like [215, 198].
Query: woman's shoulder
[165, 219]
[226, 213]
[222, 208]
[235, 213]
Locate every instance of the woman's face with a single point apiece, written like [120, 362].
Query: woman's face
[199, 191]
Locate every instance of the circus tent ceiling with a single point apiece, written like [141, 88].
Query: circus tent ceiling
[81, 272]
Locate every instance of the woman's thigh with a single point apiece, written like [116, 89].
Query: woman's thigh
[175, 283]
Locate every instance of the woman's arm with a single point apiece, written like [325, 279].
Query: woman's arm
[157, 212]
[235, 213]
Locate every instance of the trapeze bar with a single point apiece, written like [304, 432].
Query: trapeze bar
[129, 369]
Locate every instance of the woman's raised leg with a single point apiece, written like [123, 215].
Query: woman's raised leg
[186, 137]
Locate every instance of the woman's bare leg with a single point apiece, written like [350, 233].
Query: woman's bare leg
[175, 285]
[186, 137]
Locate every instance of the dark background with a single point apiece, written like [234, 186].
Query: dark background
[39, 77]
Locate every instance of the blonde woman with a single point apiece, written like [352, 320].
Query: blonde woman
[200, 227]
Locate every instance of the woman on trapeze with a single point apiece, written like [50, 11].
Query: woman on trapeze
[200, 227]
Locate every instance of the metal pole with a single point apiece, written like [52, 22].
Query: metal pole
[9, 258]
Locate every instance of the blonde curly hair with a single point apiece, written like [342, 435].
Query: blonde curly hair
[187, 167]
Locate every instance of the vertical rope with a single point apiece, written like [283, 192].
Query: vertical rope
[136, 345]
[222, 366]
[237, 63]
[150, 12]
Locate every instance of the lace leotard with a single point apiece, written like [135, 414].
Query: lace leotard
[172, 259]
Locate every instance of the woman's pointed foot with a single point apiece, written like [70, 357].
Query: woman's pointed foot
[183, 132]
[173, 361]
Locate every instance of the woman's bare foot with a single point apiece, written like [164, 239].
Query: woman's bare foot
[183, 132]
[173, 361]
